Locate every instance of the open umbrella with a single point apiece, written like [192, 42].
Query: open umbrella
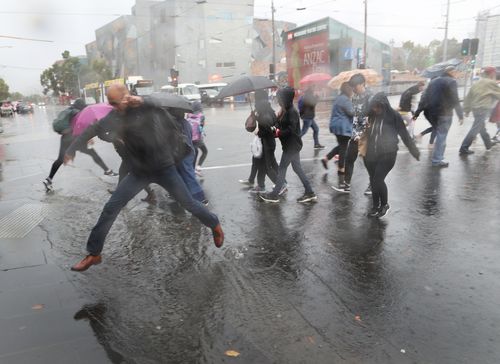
[437, 69]
[88, 116]
[315, 78]
[371, 76]
[245, 85]
[172, 101]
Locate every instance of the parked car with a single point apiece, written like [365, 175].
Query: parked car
[6, 110]
[189, 90]
[25, 108]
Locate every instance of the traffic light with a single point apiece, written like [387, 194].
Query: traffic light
[474, 45]
[174, 75]
[465, 47]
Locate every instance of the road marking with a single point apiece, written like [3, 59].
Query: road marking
[22, 177]
[21, 221]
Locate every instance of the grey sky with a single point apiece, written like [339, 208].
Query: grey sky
[72, 25]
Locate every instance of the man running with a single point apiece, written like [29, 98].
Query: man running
[153, 143]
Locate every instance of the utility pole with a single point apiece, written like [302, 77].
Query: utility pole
[366, 31]
[272, 69]
[445, 42]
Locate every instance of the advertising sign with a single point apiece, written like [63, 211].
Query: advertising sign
[307, 52]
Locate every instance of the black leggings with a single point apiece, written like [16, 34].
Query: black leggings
[266, 165]
[340, 149]
[378, 169]
[204, 151]
[66, 141]
[350, 157]
[433, 134]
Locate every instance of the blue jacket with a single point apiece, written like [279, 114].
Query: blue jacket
[342, 114]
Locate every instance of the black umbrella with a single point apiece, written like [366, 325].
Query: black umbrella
[437, 69]
[245, 85]
[172, 101]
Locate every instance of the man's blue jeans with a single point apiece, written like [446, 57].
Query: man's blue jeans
[478, 127]
[186, 171]
[442, 128]
[130, 186]
[310, 123]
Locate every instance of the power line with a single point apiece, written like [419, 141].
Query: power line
[30, 39]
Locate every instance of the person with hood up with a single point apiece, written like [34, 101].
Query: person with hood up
[482, 97]
[266, 122]
[441, 98]
[197, 121]
[341, 126]
[307, 110]
[153, 143]
[66, 140]
[288, 131]
[385, 124]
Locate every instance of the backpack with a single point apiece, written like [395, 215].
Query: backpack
[63, 120]
[195, 121]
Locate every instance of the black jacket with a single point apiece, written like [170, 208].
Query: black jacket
[440, 98]
[289, 123]
[384, 130]
[147, 137]
[266, 118]
[407, 97]
[307, 105]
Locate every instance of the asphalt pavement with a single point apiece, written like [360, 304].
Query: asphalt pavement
[315, 283]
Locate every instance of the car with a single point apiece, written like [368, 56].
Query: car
[6, 110]
[25, 108]
[209, 93]
[41, 105]
[189, 90]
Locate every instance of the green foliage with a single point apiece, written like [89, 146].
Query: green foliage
[420, 56]
[62, 77]
[4, 90]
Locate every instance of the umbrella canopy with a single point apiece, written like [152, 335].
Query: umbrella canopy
[315, 78]
[88, 116]
[371, 76]
[437, 69]
[172, 101]
[245, 85]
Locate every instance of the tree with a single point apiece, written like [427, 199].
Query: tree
[97, 71]
[454, 50]
[62, 77]
[4, 90]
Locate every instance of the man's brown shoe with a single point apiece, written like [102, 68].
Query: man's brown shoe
[86, 263]
[218, 236]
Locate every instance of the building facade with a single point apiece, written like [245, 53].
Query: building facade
[329, 46]
[488, 33]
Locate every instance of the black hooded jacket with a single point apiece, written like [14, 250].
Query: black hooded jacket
[147, 137]
[405, 102]
[383, 130]
[289, 122]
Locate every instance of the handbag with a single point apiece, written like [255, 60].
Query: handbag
[251, 123]
[256, 147]
[363, 144]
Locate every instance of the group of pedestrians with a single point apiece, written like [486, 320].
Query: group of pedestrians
[366, 125]
[159, 144]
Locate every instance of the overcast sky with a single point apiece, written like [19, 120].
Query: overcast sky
[70, 24]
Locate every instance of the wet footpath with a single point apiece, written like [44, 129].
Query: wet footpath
[314, 283]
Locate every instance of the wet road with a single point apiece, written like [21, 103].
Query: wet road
[318, 283]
